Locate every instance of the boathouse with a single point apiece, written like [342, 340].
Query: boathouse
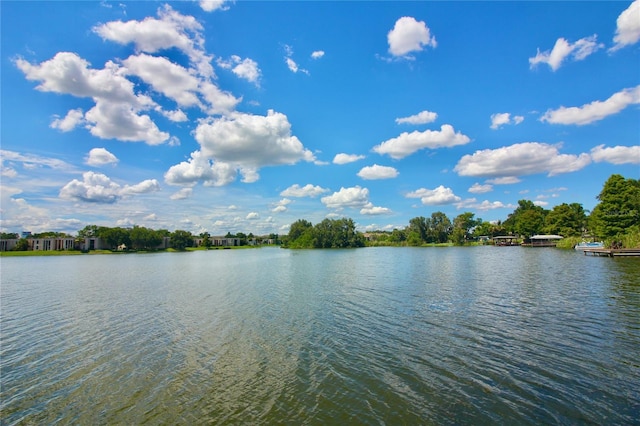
[544, 240]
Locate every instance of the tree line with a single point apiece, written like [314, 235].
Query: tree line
[615, 217]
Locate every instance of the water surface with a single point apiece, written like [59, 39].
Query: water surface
[499, 335]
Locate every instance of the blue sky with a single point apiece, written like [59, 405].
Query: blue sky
[246, 116]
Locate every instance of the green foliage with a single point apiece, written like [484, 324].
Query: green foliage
[462, 225]
[440, 228]
[9, 236]
[565, 219]
[619, 207]
[115, 237]
[527, 219]
[22, 245]
[180, 239]
[330, 233]
[144, 238]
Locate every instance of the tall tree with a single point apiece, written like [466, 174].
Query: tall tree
[440, 227]
[181, 239]
[619, 207]
[565, 219]
[462, 225]
[527, 219]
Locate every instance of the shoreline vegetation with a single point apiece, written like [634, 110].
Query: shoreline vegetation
[615, 220]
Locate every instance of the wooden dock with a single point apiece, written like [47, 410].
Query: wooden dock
[612, 252]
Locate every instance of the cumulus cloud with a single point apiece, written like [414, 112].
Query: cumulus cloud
[251, 141]
[200, 169]
[116, 114]
[308, 190]
[520, 159]
[627, 27]
[594, 111]
[346, 158]
[211, 5]
[253, 216]
[172, 80]
[502, 118]
[281, 205]
[371, 210]
[435, 197]
[616, 154]
[246, 68]
[100, 157]
[409, 35]
[477, 188]
[317, 54]
[98, 188]
[73, 119]
[355, 197]
[408, 143]
[564, 49]
[170, 30]
[423, 117]
[182, 194]
[377, 172]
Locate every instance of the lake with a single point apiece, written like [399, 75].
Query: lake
[455, 335]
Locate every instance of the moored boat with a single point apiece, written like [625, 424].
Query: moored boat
[588, 245]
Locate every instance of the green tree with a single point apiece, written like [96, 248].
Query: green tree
[8, 236]
[567, 220]
[115, 237]
[298, 228]
[462, 225]
[144, 238]
[180, 239]
[417, 230]
[206, 239]
[440, 228]
[619, 207]
[22, 245]
[527, 219]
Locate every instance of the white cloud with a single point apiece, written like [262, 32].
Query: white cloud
[563, 49]
[172, 80]
[595, 111]
[171, 30]
[281, 205]
[409, 35]
[199, 168]
[520, 159]
[306, 191]
[317, 54]
[30, 161]
[377, 172]
[472, 203]
[251, 141]
[371, 210]
[355, 197]
[98, 188]
[116, 114]
[616, 154]
[476, 188]
[408, 143]
[100, 157]
[502, 118]
[435, 197]
[627, 27]
[177, 116]
[346, 158]
[182, 194]
[211, 5]
[291, 64]
[243, 68]
[423, 117]
[506, 180]
[253, 216]
[73, 119]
